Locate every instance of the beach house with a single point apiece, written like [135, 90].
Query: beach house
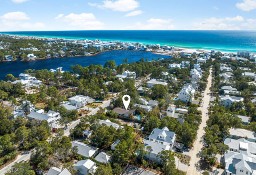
[227, 100]
[187, 93]
[85, 167]
[158, 141]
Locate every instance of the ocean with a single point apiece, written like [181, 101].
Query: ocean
[227, 41]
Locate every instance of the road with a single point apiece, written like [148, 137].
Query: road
[73, 124]
[20, 158]
[198, 145]
[92, 112]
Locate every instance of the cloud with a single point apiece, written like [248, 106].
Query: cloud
[134, 13]
[15, 16]
[154, 24]
[82, 21]
[117, 5]
[247, 5]
[228, 23]
[19, 1]
[18, 21]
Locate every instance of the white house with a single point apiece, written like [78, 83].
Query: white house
[154, 82]
[227, 100]
[201, 60]
[102, 157]
[31, 56]
[127, 74]
[229, 90]
[241, 145]
[109, 123]
[186, 94]
[57, 171]
[237, 133]
[84, 150]
[239, 163]
[51, 117]
[80, 101]
[249, 74]
[28, 81]
[162, 136]
[240, 159]
[144, 107]
[158, 141]
[174, 65]
[195, 75]
[85, 167]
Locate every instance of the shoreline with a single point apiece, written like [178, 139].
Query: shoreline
[184, 48]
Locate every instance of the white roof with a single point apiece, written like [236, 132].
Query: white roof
[242, 133]
[83, 149]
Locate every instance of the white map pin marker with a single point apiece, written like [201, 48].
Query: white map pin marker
[126, 101]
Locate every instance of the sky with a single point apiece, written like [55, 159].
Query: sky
[50, 15]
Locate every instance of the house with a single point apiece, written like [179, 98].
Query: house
[102, 157]
[241, 146]
[141, 90]
[201, 60]
[127, 74]
[79, 101]
[195, 75]
[162, 136]
[8, 57]
[226, 76]
[84, 150]
[109, 123]
[124, 113]
[174, 65]
[229, 90]
[239, 163]
[225, 68]
[87, 133]
[153, 103]
[227, 100]
[236, 133]
[245, 120]
[28, 81]
[85, 167]
[143, 101]
[31, 56]
[240, 159]
[187, 93]
[154, 82]
[133, 170]
[57, 171]
[153, 149]
[249, 74]
[244, 54]
[51, 117]
[144, 107]
[113, 146]
[185, 64]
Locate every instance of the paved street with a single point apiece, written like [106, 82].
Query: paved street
[20, 158]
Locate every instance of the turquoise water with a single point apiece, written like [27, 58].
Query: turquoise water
[228, 41]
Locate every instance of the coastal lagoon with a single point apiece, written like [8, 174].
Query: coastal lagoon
[226, 41]
[18, 67]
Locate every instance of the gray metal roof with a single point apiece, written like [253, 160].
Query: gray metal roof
[162, 135]
[83, 149]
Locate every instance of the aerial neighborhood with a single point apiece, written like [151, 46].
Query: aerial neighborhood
[193, 113]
